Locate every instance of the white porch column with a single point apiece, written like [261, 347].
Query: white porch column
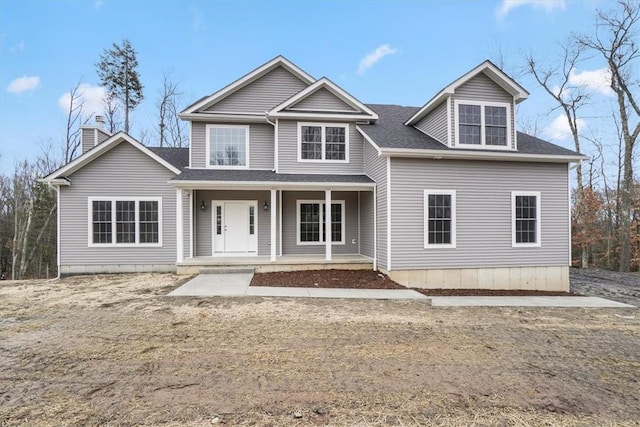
[273, 206]
[327, 224]
[179, 225]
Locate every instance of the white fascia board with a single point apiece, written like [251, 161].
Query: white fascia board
[224, 117]
[277, 185]
[369, 140]
[494, 73]
[452, 154]
[321, 116]
[331, 87]
[248, 78]
[56, 182]
[102, 148]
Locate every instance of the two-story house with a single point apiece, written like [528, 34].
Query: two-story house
[284, 171]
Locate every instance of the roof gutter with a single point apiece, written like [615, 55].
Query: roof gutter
[278, 185]
[504, 157]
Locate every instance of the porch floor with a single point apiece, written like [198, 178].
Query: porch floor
[282, 263]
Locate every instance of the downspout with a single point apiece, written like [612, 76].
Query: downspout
[57, 188]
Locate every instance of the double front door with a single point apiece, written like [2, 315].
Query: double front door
[235, 227]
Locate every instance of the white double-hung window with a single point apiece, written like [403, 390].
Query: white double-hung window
[125, 221]
[525, 219]
[323, 142]
[227, 146]
[439, 218]
[483, 124]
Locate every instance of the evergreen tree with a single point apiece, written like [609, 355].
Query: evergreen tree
[118, 73]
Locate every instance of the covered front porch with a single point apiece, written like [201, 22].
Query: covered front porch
[276, 229]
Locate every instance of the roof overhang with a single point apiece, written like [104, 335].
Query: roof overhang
[56, 182]
[338, 92]
[224, 117]
[454, 154]
[490, 70]
[272, 185]
[101, 149]
[279, 61]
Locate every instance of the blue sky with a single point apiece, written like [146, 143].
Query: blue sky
[399, 52]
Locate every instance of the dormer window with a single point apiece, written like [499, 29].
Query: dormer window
[482, 124]
[227, 146]
[323, 142]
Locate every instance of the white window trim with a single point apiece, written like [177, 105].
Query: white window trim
[483, 145]
[113, 201]
[247, 144]
[428, 245]
[538, 242]
[321, 241]
[323, 126]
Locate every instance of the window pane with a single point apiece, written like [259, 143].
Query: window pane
[228, 146]
[469, 114]
[439, 218]
[125, 221]
[469, 134]
[218, 220]
[252, 214]
[309, 222]
[496, 136]
[335, 143]
[495, 116]
[336, 222]
[311, 151]
[526, 219]
[101, 221]
[148, 220]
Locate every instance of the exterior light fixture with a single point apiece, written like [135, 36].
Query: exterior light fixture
[203, 205]
[265, 207]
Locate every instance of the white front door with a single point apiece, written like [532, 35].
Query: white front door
[235, 229]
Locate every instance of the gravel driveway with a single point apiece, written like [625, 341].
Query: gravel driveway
[621, 287]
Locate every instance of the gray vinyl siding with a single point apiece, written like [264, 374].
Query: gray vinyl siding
[124, 171]
[483, 213]
[289, 223]
[261, 145]
[376, 168]
[288, 153]
[261, 95]
[102, 136]
[482, 88]
[435, 123]
[366, 223]
[204, 220]
[322, 100]
[88, 139]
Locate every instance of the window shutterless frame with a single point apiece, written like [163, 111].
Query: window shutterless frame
[112, 201]
[247, 144]
[483, 125]
[452, 219]
[514, 218]
[323, 141]
[320, 203]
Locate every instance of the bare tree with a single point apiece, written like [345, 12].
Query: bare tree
[556, 81]
[614, 41]
[74, 120]
[112, 112]
[171, 130]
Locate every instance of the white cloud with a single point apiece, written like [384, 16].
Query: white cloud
[92, 97]
[19, 48]
[98, 4]
[558, 129]
[372, 58]
[598, 80]
[23, 84]
[547, 5]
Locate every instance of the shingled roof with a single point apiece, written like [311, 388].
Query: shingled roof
[389, 131]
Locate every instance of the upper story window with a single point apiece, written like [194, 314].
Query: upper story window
[482, 124]
[323, 142]
[227, 146]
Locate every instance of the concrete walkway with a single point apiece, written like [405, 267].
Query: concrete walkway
[237, 285]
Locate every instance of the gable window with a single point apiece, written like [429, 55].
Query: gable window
[311, 218]
[124, 222]
[323, 142]
[439, 218]
[482, 125]
[525, 218]
[227, 146]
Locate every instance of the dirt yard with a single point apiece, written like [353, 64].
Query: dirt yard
[114, 350]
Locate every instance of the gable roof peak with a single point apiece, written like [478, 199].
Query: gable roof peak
[487, 68]
[255, 74]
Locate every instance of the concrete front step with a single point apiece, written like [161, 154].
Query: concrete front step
[227, 270]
